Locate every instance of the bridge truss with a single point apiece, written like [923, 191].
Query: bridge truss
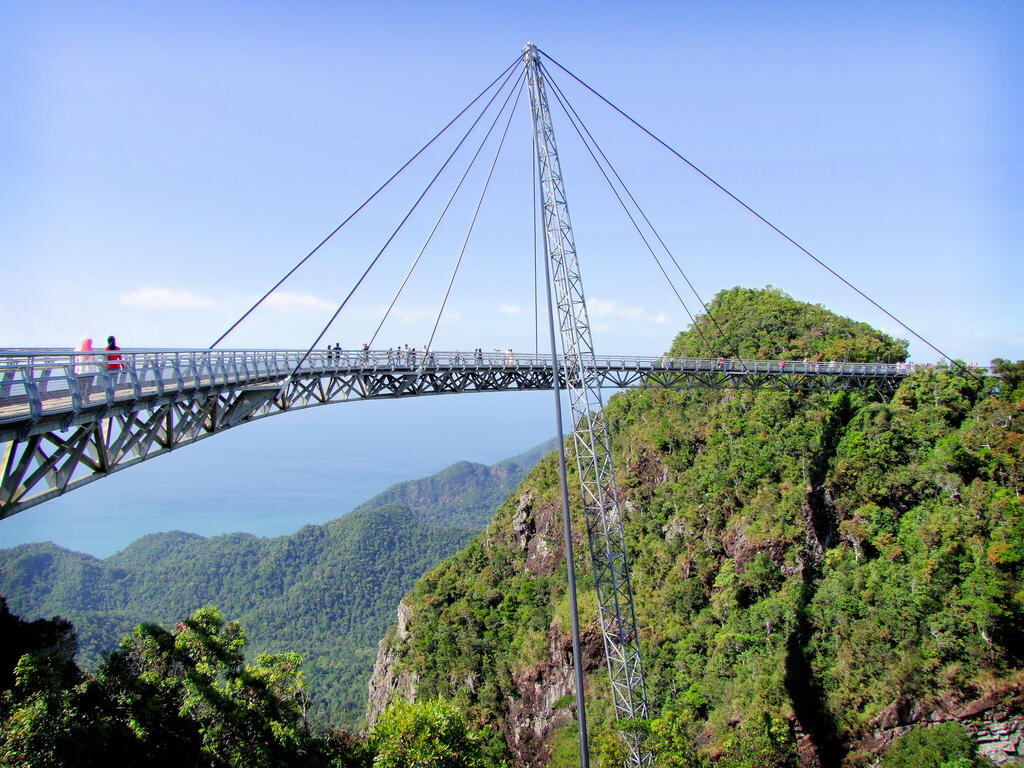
[66, 421]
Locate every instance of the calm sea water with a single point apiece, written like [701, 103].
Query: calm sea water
[272, 477]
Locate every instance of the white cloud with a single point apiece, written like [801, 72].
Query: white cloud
[162, 298]
[603, 308]
[510, 309]
[289, 300]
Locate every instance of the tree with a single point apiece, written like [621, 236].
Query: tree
[174, 699]
[1012, 373]
[431, 733]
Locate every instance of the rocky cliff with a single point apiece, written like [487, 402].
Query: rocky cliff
[540, 699]
[995, 720]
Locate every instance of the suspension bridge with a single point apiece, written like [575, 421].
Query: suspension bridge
[70, 418]
[67, 419]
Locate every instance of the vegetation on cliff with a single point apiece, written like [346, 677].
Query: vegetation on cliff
[800, 561]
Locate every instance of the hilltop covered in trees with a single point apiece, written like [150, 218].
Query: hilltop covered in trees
[802, 563]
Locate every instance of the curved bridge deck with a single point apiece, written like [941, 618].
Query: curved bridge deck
[67, 419]
[40, 388]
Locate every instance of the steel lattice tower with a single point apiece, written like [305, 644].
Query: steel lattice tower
[590, 434]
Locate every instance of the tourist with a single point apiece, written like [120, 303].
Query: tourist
[84, 366]
[113, 360]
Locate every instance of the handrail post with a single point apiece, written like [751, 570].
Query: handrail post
[5, 383]
[108, 383]
[35, 403]
[196, 381]
[133, 375]
[73, 388]
[177, 371]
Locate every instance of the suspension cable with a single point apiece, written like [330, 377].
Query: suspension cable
[437, 223]
[566, 103]
[757, 215]
[556, 91]
[476, 213]
[366, 202]
[399, 227]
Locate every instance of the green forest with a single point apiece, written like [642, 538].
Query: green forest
[799, 561]
[802, 563]
[188, 697]
[327, 592]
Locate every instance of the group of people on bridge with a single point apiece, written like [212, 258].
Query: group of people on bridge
[88, 360]
[777, 366]
[409, 357]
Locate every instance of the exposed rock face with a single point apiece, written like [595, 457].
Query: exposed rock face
[388, 681]
[537, 530]
[995, 720]
[649, 469]
[530, 716]
[522, 520]
[1002, 743]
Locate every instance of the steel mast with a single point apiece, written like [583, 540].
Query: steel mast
[590, 435]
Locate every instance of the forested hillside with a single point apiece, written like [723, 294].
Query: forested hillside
[463, 495]
[812, 572]
[327, 591]
[188, 697]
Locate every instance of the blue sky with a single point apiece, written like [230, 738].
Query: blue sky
[164, 163]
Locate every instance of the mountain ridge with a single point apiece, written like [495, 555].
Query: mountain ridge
[327, 590]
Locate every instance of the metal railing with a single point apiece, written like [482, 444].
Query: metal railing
[34, 382]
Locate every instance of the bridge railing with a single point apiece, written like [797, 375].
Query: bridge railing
[35, 382]
[44, 381]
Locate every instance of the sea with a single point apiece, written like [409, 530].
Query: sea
[277, 474]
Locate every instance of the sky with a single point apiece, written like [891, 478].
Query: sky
[164, 164]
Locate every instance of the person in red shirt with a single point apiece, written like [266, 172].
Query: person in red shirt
[113, 361]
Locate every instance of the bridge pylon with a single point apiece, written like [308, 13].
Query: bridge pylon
[590, 433]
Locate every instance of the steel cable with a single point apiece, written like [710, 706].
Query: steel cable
[757, 215]
[566, 103]
[476, 213]
[397, 229]
[437, 223]
[558, 98]
[363, 204]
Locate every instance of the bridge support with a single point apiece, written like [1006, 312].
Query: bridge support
[590, 435]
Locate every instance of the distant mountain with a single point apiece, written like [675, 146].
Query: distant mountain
[463, 495]
[326, 591]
